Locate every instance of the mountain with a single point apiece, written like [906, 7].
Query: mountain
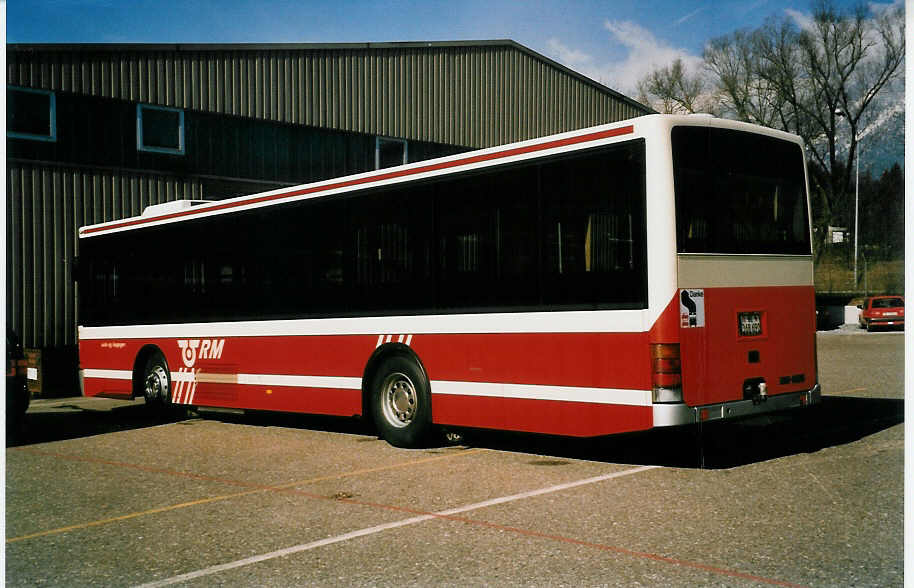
[882, 143]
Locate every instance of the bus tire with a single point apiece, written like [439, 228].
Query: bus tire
[157, 385]
[401, 403]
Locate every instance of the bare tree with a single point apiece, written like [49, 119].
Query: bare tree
[672, 90]
[827, 75]
[815, 79]
[732, 62]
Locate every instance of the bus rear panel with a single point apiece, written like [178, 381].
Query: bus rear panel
[746, 299]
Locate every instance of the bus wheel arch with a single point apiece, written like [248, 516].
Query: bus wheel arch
[396, 395]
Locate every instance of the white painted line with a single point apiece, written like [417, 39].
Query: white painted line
[393, 525]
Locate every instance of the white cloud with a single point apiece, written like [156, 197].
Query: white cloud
[573, 58]
[643, 53]
[801, 19]
[879, 8]
[806, 23]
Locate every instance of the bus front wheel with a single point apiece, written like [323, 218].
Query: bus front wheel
[157, 384]
[401, 402]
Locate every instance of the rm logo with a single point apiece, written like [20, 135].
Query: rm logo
[191, 349]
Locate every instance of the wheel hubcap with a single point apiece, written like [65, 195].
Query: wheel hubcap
[156, 384]
[400, 401]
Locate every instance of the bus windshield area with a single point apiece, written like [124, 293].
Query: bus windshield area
[738, 193]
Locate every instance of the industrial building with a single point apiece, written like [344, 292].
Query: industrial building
[98, 132]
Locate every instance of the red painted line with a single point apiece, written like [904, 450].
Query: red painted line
[375, 178]
[455, 518]
[629, 552]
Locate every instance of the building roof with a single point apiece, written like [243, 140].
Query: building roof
[470, 93]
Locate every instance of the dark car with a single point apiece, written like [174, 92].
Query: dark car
[17, 390]
[882, 311]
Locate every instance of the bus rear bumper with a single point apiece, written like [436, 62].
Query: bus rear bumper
[669, 415]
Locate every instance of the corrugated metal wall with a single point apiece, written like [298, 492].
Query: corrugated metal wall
[44, 207]
[476, 95]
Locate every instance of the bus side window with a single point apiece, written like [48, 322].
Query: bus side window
[488, 240]
[594, 229]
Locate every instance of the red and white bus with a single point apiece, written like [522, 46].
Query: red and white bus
[646, 273]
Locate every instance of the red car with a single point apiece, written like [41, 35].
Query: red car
[882, 311]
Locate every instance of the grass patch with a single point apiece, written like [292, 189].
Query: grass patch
[835, 273]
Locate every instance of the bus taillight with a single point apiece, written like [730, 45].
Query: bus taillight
[666, 372]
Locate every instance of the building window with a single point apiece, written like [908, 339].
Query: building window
[389, 152]
[31, 114]
[159, 129]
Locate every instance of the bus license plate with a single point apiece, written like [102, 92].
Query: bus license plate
[750, 324]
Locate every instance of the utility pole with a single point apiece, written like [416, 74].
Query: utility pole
[857, 138]
[856, 212]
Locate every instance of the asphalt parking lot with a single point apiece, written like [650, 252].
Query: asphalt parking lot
[97, 493]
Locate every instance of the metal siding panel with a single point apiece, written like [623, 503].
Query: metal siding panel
[270, 86]
[284, 87]
[21, 249]
[26, 283]
[263, 85]
[160, 95]
[46, 257]
[247, 87]
[169, 81]
[392, 95]
[373, 91]
[32, 277]
[58, 262]
[14, 233]
[45, 206]
[68, 226]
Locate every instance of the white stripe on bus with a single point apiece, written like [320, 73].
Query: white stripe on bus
[586, 321]
[186, 379]
[109, 374]
[538, 392]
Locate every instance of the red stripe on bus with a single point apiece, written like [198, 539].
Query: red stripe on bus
[593, 360]
[549, 417]
[377, 177]
[597, 360]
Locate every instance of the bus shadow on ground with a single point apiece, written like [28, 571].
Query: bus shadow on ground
[66, 419]
[837, 421]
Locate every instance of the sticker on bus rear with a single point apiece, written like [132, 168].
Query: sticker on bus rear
[691, 308]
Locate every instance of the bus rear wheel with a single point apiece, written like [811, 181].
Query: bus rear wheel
[401, 402]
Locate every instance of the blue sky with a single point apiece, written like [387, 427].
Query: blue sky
[615, 42]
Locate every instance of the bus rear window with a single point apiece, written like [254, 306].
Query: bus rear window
[738, 192]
